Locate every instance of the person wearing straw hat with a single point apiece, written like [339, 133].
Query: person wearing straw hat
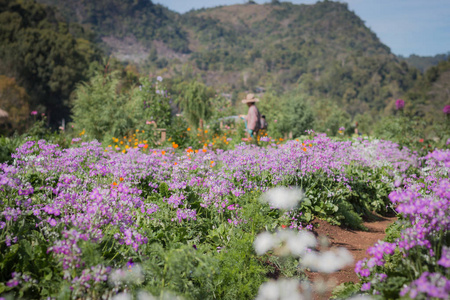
[253, 117]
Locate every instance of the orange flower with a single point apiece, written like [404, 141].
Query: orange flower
[114, 183]
[175, 146]
[121, 178]
[196, 151]
[204, 150]
[310, 145]
[212, 162]
[145, 146]
[175, 164]
[304, 149]
[163, 152]
[303, 144]
[189, 129]
[154, 152]
[206, 131]
[283, 226]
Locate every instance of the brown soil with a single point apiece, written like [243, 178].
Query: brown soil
[357, 242]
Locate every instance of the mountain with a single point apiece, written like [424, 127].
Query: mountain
[132, 20]
[423, 63]
[323, 50]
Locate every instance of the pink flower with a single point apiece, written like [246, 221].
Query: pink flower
[446, 109]
[52, 222]
[399, 104]
[34, 112]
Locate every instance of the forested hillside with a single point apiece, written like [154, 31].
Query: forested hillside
[41, 59]
[141, 19]
[320, 56]
[423, 63]
[323, 48]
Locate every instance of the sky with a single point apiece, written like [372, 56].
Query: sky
[420, 27]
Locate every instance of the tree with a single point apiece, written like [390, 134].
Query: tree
[98, 107]
[14, 100]
[195, 102]
[298, 116]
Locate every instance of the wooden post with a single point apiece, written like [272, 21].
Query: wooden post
[290, 135]
[221, 124]
[163, 135]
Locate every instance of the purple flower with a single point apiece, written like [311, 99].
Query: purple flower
[446, 109]
[13, 283]
[399, 104]
[365, 286]
[445, 257]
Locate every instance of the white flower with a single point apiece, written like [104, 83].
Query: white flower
[283, 198]
[360, 297]
[329, 261]
[264, 242]
[299, 243]
[122, 296]
[283, 289]
[159, 78]
[142, 295]
[286, 242]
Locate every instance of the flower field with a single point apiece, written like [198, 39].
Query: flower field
[172, 223]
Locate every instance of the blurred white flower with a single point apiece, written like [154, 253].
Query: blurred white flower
[283, 289]
[159, 78]
[360, 297]
[300, 242]
[286, 242]
[329, 261]
[283, 197]
[264, 242]
[122, 296]
[142, 295]
[132, 273]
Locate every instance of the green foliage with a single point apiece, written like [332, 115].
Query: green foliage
[423, 63]
[107, 106]
[142, 19]
[297, 115]
[346, 290]
[13, 100]
[404, 129]
[42, 55]
[195, 102]
[99, 107]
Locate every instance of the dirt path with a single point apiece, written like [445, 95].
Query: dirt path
[357, 242]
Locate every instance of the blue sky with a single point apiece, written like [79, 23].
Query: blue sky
[420, 27]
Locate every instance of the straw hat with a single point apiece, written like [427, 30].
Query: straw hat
[250, 98]
[3, 114]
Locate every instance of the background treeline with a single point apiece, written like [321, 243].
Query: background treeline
[314, 66]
